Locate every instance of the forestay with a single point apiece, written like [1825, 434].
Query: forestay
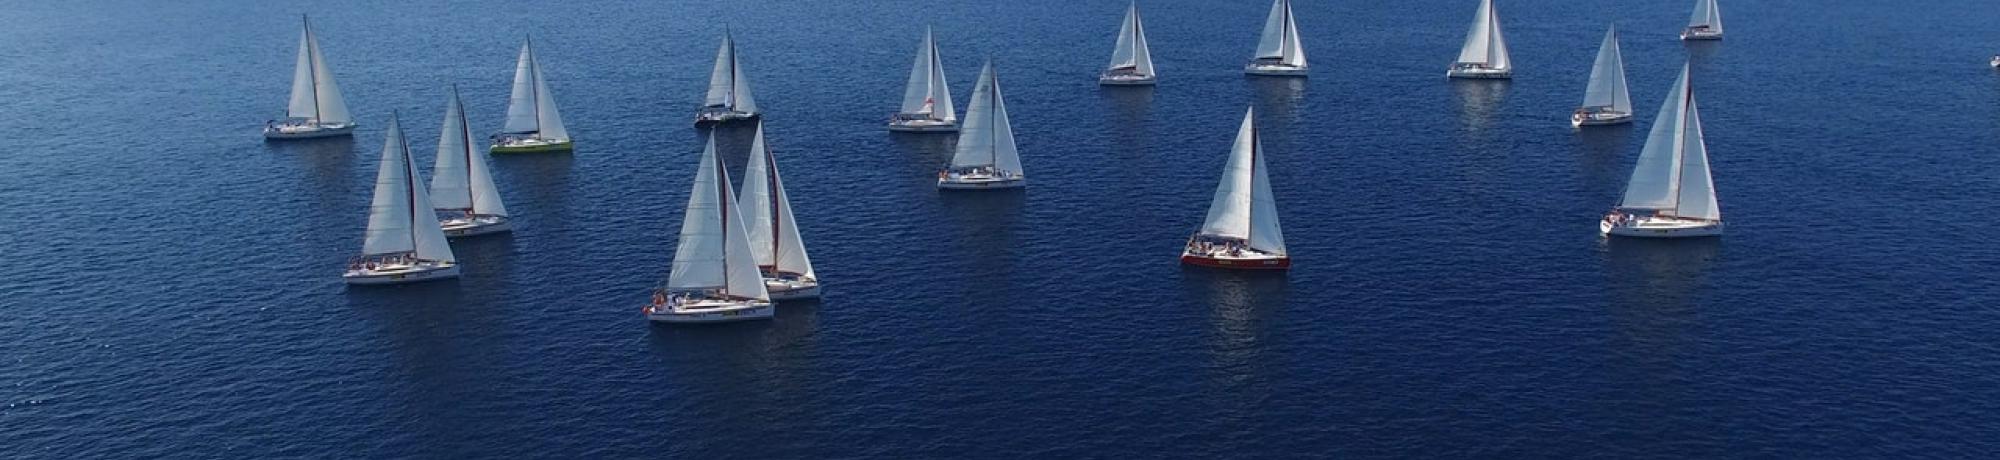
[460, 180]
[714, 251]
[400, 219]
[767, 211]
[1607, 77]
[314, 94]
[987, 139]
[1244, 206]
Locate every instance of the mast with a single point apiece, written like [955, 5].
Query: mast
[312, 64]
[1285, 35]
[777, 221]
[1250, 214]
[535, 82]
[993, 122]
[465, 131]
[1680, 140]
[729, 40]
[409, 185]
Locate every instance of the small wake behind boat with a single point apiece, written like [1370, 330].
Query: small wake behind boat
[927, 98]
[1605, 101]
[1705, 23]
[404, 243]
[986, 157]
[533, 123]
[316, 108]
[461, 185]
[1279, 53]
[714, 277]
[1131, 60]
[1485, 52]
[1241, 231]
[729, 96]
[774, 234]
[1671, 193]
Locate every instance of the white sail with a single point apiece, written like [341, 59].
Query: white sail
[1607, 77]
[1143, 60]
[918, 95]
[727, 87]
[714, 251]
[1484, 44]
[986, 138]
[400, 218]
[1657, 177]
[314, 94]
[1697, 186]
[531, 108]
[460, 180]
[1244, 206]
[546, 115]
[767, 213]
[1706, 14]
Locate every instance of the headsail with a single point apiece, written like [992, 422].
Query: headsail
[314, 94]
[987, 139]
[460, 180]
[1244, 206]
[1607, 77]
[767, 213]
[1672, 174]
[714, 251]
[400, 218]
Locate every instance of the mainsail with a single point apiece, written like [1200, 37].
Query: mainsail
[1607, 78]
[1281, 36]
[1484, 44]
[314, 94]
[400, 219]
[1672, 174]
[531, 108]
[714, 251]
[927, 92]
[1244, 206]
[460, 180]
[986, 139]
[767, 213]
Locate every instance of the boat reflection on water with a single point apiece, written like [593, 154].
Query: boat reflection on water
[1656, 292]
[1243, 306]
[1278, 99]
[1479, 100]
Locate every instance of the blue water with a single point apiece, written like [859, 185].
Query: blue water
[171, 281]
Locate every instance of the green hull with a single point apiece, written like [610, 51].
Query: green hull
[562, 147]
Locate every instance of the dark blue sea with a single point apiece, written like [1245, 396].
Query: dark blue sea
[171, 281]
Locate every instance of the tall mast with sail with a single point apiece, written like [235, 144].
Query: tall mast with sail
[1671, 193]
[1605, 100]
[714, 276]
[1241, 231]
[1704, 23]
[533, 122]
[927, 97]
[316, 108]
[461, 184]
[728, 96]
[1131, 60]
[774, 234]
[404, 242]
[986, 157]
[1279, 52]
[1485, 52]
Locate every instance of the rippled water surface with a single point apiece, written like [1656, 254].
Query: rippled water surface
[171, 281]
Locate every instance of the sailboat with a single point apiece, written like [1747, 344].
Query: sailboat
[774, 233]
[1131, 61]
[1605, 101]
[1705, 23]
[461, 185]
[404, 243]
[927, 98]
[985, 158]
[533, 123]
[316, 109]
[1278, 51]
[1995, 62]
[728, 91]
[1671, 194]
[1485, 51]
[714, 278]
[1241, 231]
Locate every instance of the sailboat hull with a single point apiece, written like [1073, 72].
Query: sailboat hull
[712, 118]
[711, 312]
[1599, 119]
[923, 126]
[1996, 62]
[534, 146]
[1127, 80]
[981, 183]
[1274, 70]
[1661, 228]
[1247, 261]
[400, 274]
[1479, 73]
[460, 227]
[315, 131]
[1692, 34]
[791, 289]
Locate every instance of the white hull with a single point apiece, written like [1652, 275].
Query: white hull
[312, 131]
[792, 289]
[712, 311]
[1127, 80]
[530, 144]
[981, 182]
[1479, 73]
[1700, 34]
[1656, 227]
[1579, 120]
[1996, 62]
[1274, 70]
[483, 225]
[923, 126]
[709, 117]
[399, 274]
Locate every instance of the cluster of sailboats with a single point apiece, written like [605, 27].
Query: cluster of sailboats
[740, 249]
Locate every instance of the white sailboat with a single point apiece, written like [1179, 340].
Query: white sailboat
[1671, 194]
[774, 233]
[1485, 51]
[461, 185]
[1278, 51]
[714, 278]
[533, 123]
[1241, 231]
[728, 90]
[1705, 23]
[927, 98]
[404, 242]
[1131, 60]
[986, 157]
[316, 109]
[1995, 62]
[1605, 101]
